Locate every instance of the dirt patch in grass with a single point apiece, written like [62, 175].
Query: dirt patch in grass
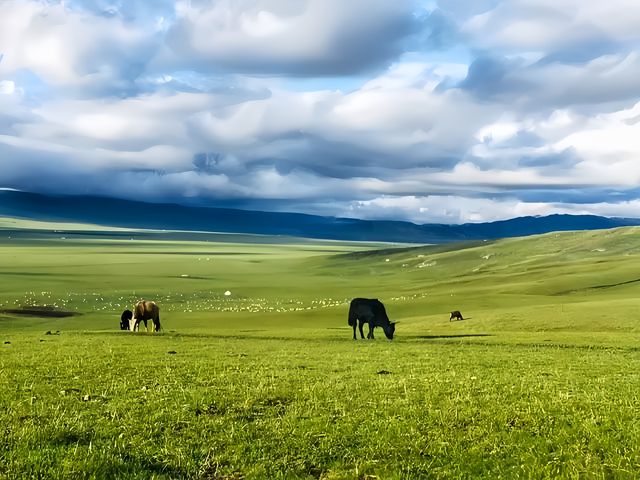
[40, 311]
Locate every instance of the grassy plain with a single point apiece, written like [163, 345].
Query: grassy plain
[541, 380]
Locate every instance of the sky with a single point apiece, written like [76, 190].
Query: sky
[429, 111]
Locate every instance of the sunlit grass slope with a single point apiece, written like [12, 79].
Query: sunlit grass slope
[539, 381]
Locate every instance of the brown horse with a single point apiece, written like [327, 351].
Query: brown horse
[456, 314]
[143, 311]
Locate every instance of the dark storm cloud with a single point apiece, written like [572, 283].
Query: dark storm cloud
[492, 77]
[576, 196]
[563, 160]
[307, 38]
[544, 85]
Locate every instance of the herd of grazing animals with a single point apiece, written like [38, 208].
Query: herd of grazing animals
[361, 310]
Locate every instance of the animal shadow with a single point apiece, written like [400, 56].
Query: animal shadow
[461, 335]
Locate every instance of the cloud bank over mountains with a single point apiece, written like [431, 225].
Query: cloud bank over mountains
[429, 111]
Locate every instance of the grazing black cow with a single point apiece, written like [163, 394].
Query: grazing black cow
[371, 311]
[456, 314]
[124, 319]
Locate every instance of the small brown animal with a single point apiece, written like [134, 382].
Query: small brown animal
[456, 314]
[143, 311]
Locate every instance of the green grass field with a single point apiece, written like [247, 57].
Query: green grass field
[542, 379]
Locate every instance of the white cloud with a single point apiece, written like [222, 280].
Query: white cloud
[68, 48]
[120, 124]
[417, 74]
[7, 87]
[460, 209]
[548, 25]
[449, 209]
[303, 37]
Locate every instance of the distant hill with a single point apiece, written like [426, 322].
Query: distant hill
[133, 214]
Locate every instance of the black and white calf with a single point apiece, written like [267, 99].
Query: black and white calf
[124, 319]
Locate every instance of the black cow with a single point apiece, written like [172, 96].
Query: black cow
[456, 314]
[124, 319]
[371, 311]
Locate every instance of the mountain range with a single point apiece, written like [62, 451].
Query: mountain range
[169, 216]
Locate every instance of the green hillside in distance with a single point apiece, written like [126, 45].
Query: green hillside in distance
[545, 278]
[569, 281]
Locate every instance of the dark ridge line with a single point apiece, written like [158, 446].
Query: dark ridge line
[426, 249]
[595, 287]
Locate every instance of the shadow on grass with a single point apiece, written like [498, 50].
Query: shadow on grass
[257, 335]
[264, 335]
[487, 339]
[462, 335]
[40, 311]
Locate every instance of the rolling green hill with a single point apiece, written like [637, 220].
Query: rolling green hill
[576, 281]
[539, 381]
